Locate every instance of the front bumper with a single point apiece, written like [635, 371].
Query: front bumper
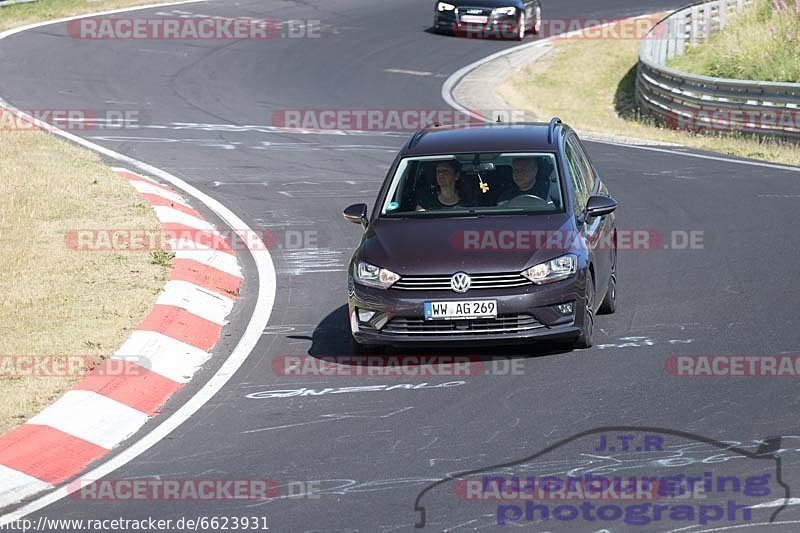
[524, 314]
[499, 26]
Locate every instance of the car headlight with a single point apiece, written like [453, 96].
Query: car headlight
[553, 270]
[444, 6]
[373, 276]
[510, 11]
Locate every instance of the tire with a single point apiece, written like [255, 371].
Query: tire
[609, 305]
[537, 24]
[521, 30]
[584, 340]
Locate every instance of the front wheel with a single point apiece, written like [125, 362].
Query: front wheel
[584, 340]
[609, 304]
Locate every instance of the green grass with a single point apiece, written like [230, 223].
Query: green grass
[762, 43]
[162, 258]
[58, 300]
[21, 14]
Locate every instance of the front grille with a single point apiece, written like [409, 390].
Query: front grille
[483, 326]
[475, 11]
[479, 281]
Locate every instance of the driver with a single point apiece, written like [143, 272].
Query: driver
[525, 172]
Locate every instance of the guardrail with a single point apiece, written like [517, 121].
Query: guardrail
[702, 102]
[4, 3]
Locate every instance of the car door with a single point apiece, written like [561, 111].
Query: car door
[587, 183]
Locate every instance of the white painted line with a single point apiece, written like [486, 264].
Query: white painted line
[759, 525]
[169, 215]
[179, 241]
[777, 503]
[214, 258]
[267, 286]
[91, 417]
[409, 72]
[146, 188]
[16, 485]
[163, 355]
[196, 300]
[721, 159]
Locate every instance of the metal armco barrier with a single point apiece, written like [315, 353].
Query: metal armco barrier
[4, 3]
[702, 102]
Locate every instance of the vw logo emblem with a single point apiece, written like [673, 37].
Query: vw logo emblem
[474, 11]
[460, 282]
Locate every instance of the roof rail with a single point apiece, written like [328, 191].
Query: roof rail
[551, 128]
[416, 137]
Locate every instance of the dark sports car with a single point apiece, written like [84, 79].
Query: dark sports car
[488, 18]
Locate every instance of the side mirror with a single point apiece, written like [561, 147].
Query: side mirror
[599, 206]
[356, 213]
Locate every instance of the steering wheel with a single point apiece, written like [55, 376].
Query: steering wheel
[525, 199]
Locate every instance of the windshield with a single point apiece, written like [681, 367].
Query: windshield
[474, 184]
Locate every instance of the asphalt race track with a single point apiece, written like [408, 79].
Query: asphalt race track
[208, 105]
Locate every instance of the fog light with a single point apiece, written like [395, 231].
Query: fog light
[565, 309]
[353, 322]
[365, 315]
[380, 322]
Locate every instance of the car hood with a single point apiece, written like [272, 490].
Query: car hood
[442, 246]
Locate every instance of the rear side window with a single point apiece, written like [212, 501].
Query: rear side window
[586, 166]
[577, 171]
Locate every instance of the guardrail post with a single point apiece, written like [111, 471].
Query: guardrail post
[680, 42]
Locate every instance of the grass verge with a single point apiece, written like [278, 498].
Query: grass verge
[592, 89]
[762, 43]
[57, 300]
[16, 15]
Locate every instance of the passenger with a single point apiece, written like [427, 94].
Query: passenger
[448, 187]
[525, 172]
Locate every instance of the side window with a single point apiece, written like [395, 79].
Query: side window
[588, 171]
[580, 195]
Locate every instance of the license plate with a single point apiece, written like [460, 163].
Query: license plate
[461, 310]
[474, 19]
